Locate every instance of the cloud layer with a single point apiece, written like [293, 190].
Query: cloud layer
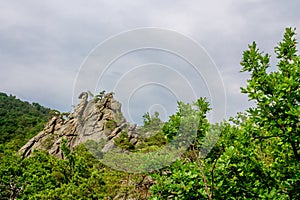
[43, 43]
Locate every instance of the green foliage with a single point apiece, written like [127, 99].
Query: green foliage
[152, 143]
[123, 142]
[182, 180]
[257, 157]
[139, 162]
[19, 121]
[275, 119]
[171, 128]
[151, 136]
[277, 94]
[110, 125]
[254, 156]
[48, 142]
[186, 115]
[99, 96]
[151, 122]
[43, 176]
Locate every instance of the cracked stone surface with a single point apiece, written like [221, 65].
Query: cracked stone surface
[88, 121]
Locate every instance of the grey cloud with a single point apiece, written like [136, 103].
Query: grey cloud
[43, 43]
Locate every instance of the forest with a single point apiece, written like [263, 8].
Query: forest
[256, 154]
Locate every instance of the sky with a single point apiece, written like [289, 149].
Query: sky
[45, 45]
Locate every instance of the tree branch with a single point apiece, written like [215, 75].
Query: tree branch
[203, 174]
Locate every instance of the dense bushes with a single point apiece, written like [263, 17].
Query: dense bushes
[20, 120]
[253, 156]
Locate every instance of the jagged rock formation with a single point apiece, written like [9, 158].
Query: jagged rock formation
[99, 118]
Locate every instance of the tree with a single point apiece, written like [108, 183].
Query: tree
[275, 119]
[151, 122]
[20, 121]
[277, 94]
[257, 156]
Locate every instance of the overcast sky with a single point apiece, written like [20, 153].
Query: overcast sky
[44, 43]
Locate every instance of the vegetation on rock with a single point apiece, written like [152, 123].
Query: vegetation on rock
[254, 155]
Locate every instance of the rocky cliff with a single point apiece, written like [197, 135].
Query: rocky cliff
[97, 119]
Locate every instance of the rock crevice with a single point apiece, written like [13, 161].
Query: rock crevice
[96, 119]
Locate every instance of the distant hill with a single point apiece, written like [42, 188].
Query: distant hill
[19, 120]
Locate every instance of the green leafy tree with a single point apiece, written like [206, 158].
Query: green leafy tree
[276, 117]
[277, 94]
[257, 157]
[151, 122]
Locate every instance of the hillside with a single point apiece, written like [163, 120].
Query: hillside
[43, 174]
[19, 120]
[253, 155]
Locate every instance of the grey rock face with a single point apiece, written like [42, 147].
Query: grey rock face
[97, 119]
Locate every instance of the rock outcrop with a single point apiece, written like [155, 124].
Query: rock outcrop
[97, 119]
